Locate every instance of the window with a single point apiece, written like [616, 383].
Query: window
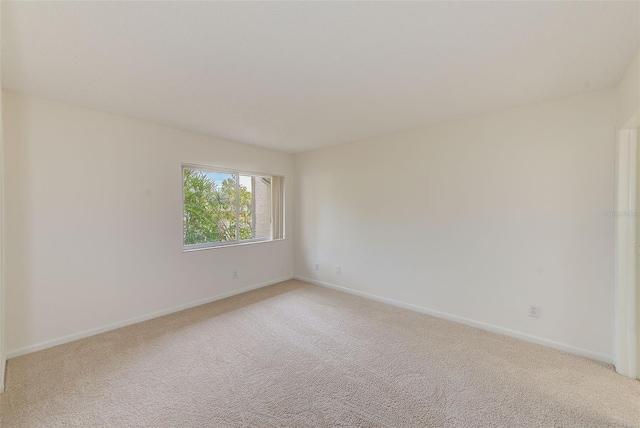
[230, 207]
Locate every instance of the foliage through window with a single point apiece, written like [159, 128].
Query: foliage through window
[230, 207]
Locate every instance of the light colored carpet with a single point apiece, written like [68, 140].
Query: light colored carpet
[298, 355]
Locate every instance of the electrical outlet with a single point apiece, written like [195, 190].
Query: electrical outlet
[534, 311]
[317, 266]
[338, 270]
[235, 274]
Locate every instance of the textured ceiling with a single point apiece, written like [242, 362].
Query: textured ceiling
[303, 75]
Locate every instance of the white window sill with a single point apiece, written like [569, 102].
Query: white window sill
[214, 245]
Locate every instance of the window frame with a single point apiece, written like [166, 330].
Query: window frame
[221, 244]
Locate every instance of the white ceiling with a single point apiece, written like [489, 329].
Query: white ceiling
[303, 75]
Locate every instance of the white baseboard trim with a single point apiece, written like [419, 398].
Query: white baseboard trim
[92, 332]
[466, 321]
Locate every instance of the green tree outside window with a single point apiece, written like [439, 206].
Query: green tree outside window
[213, 213]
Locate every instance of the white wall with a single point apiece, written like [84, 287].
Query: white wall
[94, 221]
[637, 276]
[2, 307]
[476, 218]
[627, 305]
[628, 93]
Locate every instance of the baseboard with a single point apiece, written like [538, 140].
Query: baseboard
[466, 321]
[92, 332]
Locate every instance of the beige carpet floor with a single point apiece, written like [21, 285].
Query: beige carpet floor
[298, 355]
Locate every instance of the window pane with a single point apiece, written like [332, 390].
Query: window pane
[245, 212]
[255, 207]
[262, 204]
[228, 207]
[209, 207]
[277, 207]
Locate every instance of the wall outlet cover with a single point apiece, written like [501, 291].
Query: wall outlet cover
[535, 311]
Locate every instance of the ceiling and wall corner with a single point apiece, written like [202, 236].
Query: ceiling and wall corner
[301, 76]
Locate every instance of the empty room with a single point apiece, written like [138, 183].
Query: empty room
[319, 214]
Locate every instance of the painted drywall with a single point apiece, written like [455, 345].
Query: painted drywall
[2, 309]
[637, 226]
[625, 252]
[94, 221]
[627, 306]
[628, 94]
[626, 303]
[475, 219]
